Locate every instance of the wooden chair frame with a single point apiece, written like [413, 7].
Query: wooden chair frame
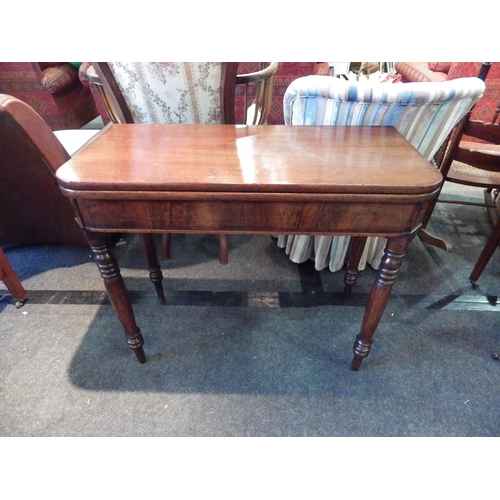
[475, 155]
[11, 281]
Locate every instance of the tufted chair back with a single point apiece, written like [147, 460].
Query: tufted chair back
[424, 113]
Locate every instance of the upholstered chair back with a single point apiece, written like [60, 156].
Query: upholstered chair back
[424, 113]
[171, 92]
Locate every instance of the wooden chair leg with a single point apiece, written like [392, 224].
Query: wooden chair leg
[434, 240]
[12, 282]
[489, 201]
[428, 237]
[486, 254]
[223, 249]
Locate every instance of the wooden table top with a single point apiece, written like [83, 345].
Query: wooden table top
[265, 159]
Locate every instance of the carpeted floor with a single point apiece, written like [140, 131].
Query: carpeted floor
[260, 347]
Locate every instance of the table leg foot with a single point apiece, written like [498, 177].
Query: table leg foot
[356, 363]
[361, 350]
[141, 356]
[135, 341]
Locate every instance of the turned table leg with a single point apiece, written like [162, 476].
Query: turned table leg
[351, 275]
[395, 250]
[107, 264]
[155, 274]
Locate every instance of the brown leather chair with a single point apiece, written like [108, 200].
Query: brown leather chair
[32, 208]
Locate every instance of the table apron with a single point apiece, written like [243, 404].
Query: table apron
[252, 217]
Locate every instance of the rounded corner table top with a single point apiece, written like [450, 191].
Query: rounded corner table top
[250, 159]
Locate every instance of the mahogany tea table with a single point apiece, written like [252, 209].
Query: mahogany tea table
[276, 179]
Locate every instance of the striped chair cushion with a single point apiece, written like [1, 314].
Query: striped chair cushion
[423, 112]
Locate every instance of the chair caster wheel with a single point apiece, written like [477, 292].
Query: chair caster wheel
[496, 356]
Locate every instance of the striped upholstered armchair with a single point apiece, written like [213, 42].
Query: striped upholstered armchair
[424, 113]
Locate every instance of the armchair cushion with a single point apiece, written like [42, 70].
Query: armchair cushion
[442, 67]
[57, 78]
[419, 72]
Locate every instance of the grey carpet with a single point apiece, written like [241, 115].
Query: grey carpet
[260, 347]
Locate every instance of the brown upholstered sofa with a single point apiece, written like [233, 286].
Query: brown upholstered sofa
[52, 89]
[441, 71]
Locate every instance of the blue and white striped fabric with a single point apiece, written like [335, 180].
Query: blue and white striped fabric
[423, 112]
